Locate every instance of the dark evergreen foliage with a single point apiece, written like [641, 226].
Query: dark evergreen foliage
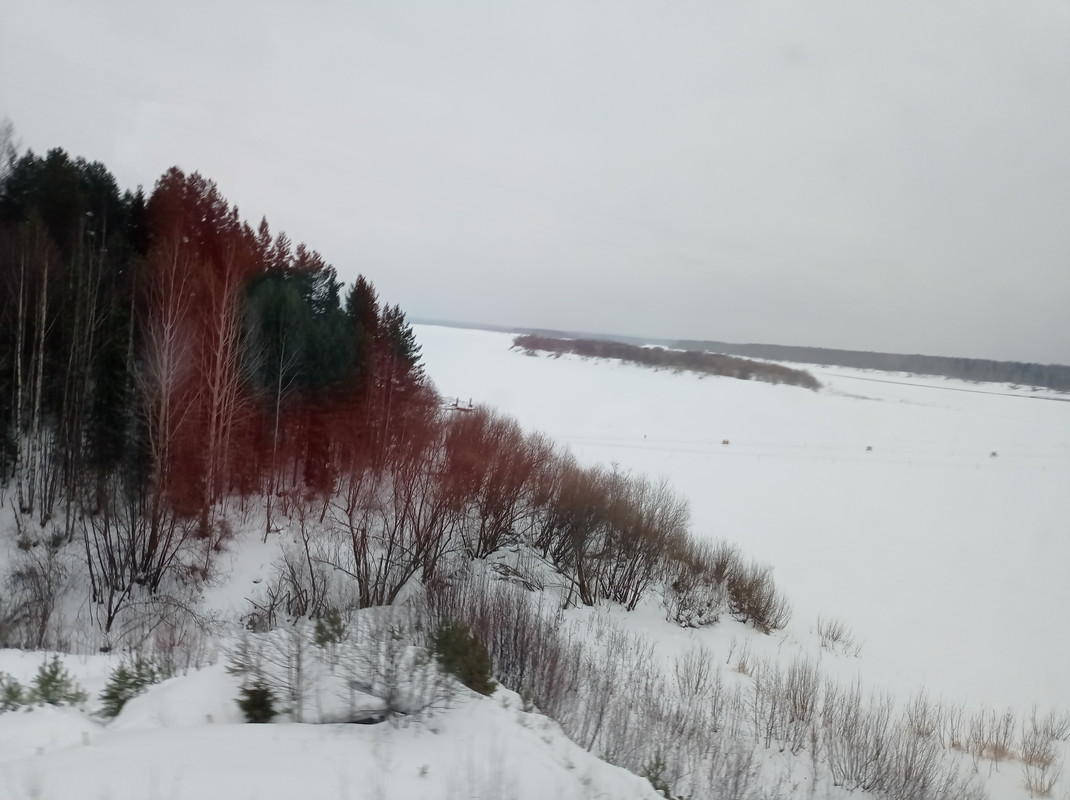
[464, 656]
[362, 313]
[125, 683]
[400, 340]
[257, 702]
[330, 629]
[53, 685]
[12, 695]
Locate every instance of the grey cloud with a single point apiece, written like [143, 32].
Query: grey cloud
[886, 175]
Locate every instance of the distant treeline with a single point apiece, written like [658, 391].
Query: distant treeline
[1051, 376]
[691, 360]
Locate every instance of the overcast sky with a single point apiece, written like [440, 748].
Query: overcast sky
[889, 174]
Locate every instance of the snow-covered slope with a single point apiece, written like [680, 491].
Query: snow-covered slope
[948, 561]
[185, 738]
[877, 500]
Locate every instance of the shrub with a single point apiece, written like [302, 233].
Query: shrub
[125, 683]
[836, 637]
[696, 676]
[278, 661]
[12, 695]
[1040, 780]
[530, 652]
[54, 686]
[654, 772]
[753, 598]
[330, 629]
[257, 702]
[991, 735]
[692, 598]
[12, 617]
[384, 660]
[464, 656]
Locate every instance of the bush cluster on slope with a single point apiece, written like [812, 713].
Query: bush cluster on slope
[472, 485]
[691, 731]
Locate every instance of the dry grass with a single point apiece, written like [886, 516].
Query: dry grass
[696, 675]
[1040, 781]
[836, 637]
[991, 735]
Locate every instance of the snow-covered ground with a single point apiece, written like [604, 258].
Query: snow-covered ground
[186, 738]
[877, 500]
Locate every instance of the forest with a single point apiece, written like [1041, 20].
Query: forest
[159, 356]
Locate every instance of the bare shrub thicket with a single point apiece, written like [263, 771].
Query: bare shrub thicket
[135, 543]
[385, 528]
[836, 637]
[753, 597]
[696, 673]
[1041, 768]
[572, 528]
[630, 712]
[607, 689]
[490, 466]
[39, 578]
[1053, 725]
[694, 592]
[704, 579]
[702, 736]
[856, 737]
[925, 719]
[866, 746]
[299, 587]
[1039, 752]
[531, 652]
[471, 484]
[169, 627]
[784, 704]
[646, 521]
[12, 616]
[692, 599]
[991, 735]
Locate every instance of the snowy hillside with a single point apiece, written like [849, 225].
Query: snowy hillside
[949, 562]
[186, 739]
[928, 517]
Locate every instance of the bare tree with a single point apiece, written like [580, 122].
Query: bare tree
[648, 521]
[37, 478]
[219, 360]
[8, 147]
